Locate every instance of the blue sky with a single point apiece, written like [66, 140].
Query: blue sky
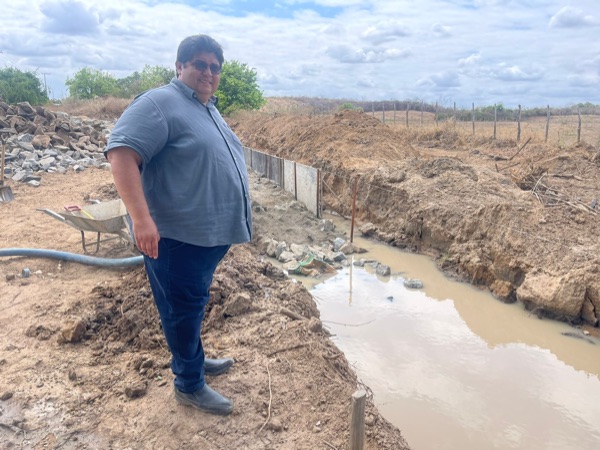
[528, 52]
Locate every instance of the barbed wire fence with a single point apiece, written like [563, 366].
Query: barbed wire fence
[561, 126]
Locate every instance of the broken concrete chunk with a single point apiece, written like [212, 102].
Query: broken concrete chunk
[383, 270]
[281, 247]
[327, 225]
[368, 229]
[347, 248]
[413, 284]
[338, 243]
[286, 256]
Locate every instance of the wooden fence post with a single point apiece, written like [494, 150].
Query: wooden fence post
[579, 126]
[422, 104]
[436, 114]
[547, 122]
[519, 125]
[454, 118]
[357, 427]
[495, 119]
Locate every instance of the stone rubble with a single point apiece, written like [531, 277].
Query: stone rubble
[44, 141]
[314, 261]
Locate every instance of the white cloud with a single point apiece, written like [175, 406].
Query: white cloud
[385, 31]
[348, 54]
[470, 60]
[366, 83]
[69, 17]
[329, 3]
[585, 80]
[569, 17]
[370, 49]
[441, 30]
[515, 73]
[447, 79]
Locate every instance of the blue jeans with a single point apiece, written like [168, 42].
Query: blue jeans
[180, 278]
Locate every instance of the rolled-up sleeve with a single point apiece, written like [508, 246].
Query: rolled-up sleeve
[142, 127]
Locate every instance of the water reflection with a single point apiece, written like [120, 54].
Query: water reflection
[462, 370]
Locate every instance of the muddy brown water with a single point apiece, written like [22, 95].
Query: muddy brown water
[454, 368]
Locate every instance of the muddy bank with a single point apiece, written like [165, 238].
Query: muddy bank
[83, 363]
[521, 221]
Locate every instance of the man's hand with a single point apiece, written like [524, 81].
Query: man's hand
[146, 236]
[125, 164]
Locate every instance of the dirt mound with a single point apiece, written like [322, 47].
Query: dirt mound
[249, 316]
[348, 138]
[493, 212]
[84, 363]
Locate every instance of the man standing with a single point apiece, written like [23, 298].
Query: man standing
[181, 173]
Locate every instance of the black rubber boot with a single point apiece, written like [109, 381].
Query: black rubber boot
[207, 400]
[213, 367]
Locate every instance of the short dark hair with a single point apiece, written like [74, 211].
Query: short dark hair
[199, 43]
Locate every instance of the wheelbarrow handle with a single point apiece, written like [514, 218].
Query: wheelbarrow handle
[52, 213]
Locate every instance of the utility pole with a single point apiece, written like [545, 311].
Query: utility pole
[45, 85]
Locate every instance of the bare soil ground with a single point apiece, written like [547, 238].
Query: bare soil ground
[83, 363]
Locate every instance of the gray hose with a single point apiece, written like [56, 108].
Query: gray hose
[73, 257]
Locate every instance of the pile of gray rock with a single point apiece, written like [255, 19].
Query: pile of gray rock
[39, 140]
[333, 255]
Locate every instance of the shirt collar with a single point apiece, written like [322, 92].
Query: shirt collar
[189, 92]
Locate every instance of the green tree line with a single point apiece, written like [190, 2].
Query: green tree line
[238, 89]
[18, 86]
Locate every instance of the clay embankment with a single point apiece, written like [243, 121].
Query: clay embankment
[522, 223]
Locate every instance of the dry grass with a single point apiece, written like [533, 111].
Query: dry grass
[562, 131]
[418, 127]
[106, 108]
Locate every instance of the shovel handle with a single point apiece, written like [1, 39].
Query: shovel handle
[2, 164]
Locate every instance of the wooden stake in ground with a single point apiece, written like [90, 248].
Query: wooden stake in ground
[519, 125]
[357, 427]
[547, 122]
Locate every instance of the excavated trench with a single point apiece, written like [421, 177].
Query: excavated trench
[452, 201]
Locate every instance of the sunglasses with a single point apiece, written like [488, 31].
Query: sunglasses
[215, 69]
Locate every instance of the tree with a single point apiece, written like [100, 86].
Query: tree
[18, 86]
[348, 106]
[130, 86]
[155, 76]
[150, 77]
[90, 83]
[238, 88]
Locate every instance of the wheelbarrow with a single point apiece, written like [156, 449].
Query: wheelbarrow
[105, 217]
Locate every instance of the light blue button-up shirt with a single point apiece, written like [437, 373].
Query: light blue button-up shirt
[193, 172]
